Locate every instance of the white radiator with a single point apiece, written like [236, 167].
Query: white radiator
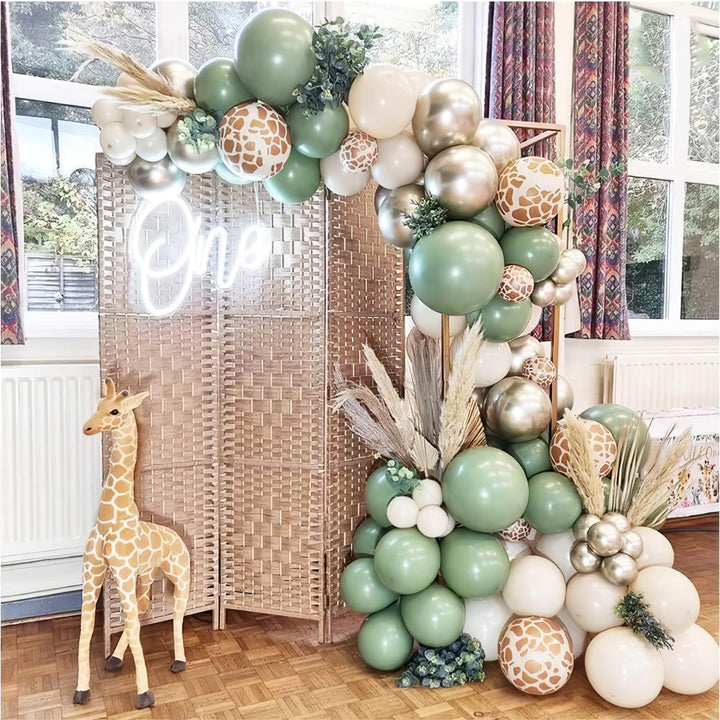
[662, 381]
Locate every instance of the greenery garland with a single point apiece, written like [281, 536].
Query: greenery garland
[636, 614]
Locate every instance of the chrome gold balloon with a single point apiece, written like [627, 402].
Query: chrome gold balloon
[186, 157]
[179, 73]
[583, 559]
[156, 179]
[619, 569]
[543, 293]
[498, 141]
[523, 348]
[516, 409]
[391, 216]
[632, 544]
[604, 538]
[583, 524]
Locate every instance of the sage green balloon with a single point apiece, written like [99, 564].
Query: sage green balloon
[297, 181]
[617, 417]
[361, 588]
[485, 489]
[503, 320]
[226, 174]
[435, 616]
[535, 248]
[366, 538]
[473, 564]
[383, 640]
[554, 504]
[491, 220]
[218, 87]
[320, 134]
[378, 493]
[457, 268]
[533, 455]
[406, 561]
[273, 55]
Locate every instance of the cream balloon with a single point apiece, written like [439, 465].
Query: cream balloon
[516, 549]
[691, 667]
[535, 315]
[485, 619]
[670, 595]
[400, 161]
[578, 637]
[523, 348]
[493, 364]
[122, 161]
[657, 549]
[563, 293]
[402, 512]
[556, 547]
[535, 586]
[623, 668]
[429, 322]
[591, 602]
[152, 148]
[116, 141]
[419, 79]
[127, 81]
[382, 101]
[428, 492]
[339, 180]
[578, 257]
[432, 520]
[165, 120]
[139, 125]
[106, 111]
[450, 525]
[498, 141]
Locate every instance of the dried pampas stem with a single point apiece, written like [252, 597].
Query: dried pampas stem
[149, 101]
[582, 469]
[424, 386]
[474, 430]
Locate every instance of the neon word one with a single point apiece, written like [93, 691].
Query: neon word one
[161, 254]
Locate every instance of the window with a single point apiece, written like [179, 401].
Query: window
[673, 105]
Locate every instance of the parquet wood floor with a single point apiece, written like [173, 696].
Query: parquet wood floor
[269, 668]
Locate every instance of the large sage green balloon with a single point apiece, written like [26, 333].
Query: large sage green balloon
[457, 268]
[406, 561]
[361, 588]
[535, 248]
[533, 455]
[320, 134]
[273, 55]
[366, 538]
[473, 564]
[554, 504]
[383, 640]
[617, 417]
[435, 616]
[297, 181]
[378, 493]
[503, 320]
[485, 489]
[218, 87]
[490, 219]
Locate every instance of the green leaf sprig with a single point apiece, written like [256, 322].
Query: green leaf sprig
[636, 614]
[428, 215]
[199, 130]
[405, 479]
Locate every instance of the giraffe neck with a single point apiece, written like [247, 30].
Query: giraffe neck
[117, 501]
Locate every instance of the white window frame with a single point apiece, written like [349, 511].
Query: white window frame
[678, 169]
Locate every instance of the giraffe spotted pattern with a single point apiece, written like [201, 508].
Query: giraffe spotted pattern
[602, 445]
[358, 151]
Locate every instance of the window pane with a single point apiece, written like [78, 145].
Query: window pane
[647, 243]
[704, 116]
[39, 28]
[709, 4]
[649, 93]
[700, 252]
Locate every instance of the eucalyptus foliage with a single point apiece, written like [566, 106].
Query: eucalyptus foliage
[404, 478]
[429, 214]
[199, 130]
[636, 614]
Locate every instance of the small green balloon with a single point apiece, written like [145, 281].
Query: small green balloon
[485, 489]
[218, 87]
[473, 564]
[406, 561]
[383, 640]
[379, 491]
[457, 268]
[535, 248]
[533, 455]
[617, 417]
[554, 504]
[503, 320]
[297, 181]
[226, 174]
[435, 616]
[318, 135]
[361, 588]
[366, 538]
[491, 220]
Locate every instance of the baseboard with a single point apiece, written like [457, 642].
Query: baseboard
[40, 578]
[67, 603]
[706, 521]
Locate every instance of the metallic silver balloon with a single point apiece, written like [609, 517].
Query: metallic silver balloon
[156, 179]
[479, 394]
[566, 396]
[391, 215]
[583, 524]
[564, 292]
[618, 520]
[498, 141]
[186, 157]
[179, 73]
[578, 257]
[516, 409]
[632, 544]
[380, 194]
[619, 569]
[523, 348]
[566, 270]
[446, 114]
[543, 293]
[583, 559]
[604, 538]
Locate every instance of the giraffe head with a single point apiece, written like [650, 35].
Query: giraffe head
[114, 410]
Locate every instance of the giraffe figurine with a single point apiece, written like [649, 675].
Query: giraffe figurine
[135, 552]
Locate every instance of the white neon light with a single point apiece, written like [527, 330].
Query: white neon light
[253, 248]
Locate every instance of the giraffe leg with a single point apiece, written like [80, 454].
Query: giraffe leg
[179, 574]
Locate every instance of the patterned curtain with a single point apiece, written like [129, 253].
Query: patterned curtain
[601, 137]
[12, 332]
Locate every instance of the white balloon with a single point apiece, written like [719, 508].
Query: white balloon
[670, 596]
[139, 125]
[623, 668]
[116, 141]
[122, 161]
[516, 548]
[339, 180]
[106, 111]
[535, 315]
[691, 667]
[166, 119]
[556, 547]
[419, 79]
[428, 492]
[485, 619]
[657, 549]
[578, 636]
[535, 586]
[429, 322]
[493, 364]
[432, 521]
[450, 525]
[591, 599]
[400, 161]
[402, 511]
[127, 81]
[154, 147]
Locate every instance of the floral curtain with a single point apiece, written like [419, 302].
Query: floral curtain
[601, 138]
[12, 332]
